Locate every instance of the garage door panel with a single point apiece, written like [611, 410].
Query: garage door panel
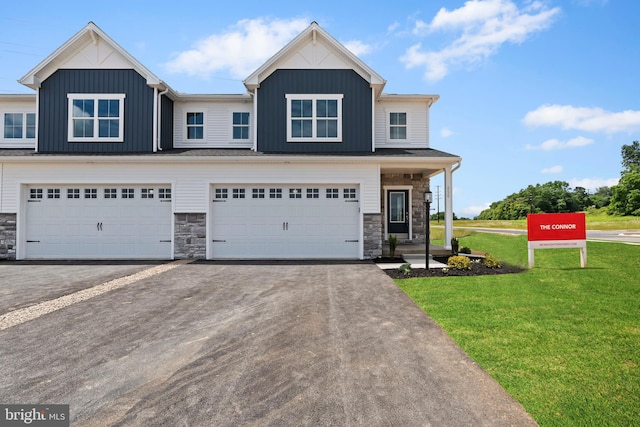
[100, 222]
[285, 227]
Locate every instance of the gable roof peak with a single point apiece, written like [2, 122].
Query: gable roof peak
[90, 34]
[314, 48]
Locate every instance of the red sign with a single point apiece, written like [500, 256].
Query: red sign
[561, 226]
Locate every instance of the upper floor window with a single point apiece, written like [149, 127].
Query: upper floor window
[314, 118]
[397, 125]
[240, 125]
[195, 125]
[96, 117]
[19, 125]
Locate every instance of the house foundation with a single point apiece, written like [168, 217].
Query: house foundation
[7, 236]
[190, 235]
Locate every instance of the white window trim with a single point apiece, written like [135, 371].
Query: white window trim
[397, 140]
[314, 97]
[186, 126]
[247, 126]
[95, 97]
[24, 126]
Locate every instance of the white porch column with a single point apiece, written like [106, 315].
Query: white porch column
[448, 207]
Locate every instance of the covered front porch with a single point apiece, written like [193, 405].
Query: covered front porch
[405, 184]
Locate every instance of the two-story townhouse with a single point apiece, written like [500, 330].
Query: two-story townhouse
[314, 161]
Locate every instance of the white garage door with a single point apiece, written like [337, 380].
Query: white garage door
[285, 222]
[98, 222]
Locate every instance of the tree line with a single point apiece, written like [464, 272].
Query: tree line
[559, 197]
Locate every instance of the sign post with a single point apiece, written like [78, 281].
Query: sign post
[551, 231]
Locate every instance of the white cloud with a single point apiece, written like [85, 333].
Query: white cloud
[420, 27]
[472, 211]
[552, 170]
[358, 48]
[391, 28]
[482, 26]
[555, 144]
[446, 132]
[240, 50]
[593, 183]
[584, 118]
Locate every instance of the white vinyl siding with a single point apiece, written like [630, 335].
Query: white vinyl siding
[417, 129]
[218, 124]
[190, 181]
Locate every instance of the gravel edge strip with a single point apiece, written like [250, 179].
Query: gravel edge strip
[26, 314]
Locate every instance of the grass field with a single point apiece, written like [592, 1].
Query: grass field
[597, 221]
[562, 340]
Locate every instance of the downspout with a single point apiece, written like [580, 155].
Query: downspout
[37, 117]
[255, 119]
[159, 123]
[154, 137]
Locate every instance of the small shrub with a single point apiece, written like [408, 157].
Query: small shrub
[393, 243]
[405, 268]
[492, 262]
[464, 250]
[455, 243]
[459, 263]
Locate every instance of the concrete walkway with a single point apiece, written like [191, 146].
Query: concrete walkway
[416, 261]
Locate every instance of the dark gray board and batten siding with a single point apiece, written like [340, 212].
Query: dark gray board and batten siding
[166, 127]
[356, 110]
[53, 110]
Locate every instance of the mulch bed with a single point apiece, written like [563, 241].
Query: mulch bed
[477, 269]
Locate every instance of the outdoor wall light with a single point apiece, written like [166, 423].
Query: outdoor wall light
[428, 196]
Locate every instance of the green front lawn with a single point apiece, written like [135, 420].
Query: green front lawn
[563, 341]
[595, 221]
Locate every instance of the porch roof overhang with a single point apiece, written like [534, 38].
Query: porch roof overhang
[428, 162]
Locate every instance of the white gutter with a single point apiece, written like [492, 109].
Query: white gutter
[432, 162]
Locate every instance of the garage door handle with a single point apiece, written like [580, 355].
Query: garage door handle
[285, 226]
[352, 241]
[219, 241]
[165, 241]
[33, 241]
[99, 226]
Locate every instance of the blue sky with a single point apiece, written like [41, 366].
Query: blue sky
[530, 91]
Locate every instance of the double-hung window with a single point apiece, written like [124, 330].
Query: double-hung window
[96, 117]
[195, 125]
[240, 125]
[314, 118]
[397, 125]
[19, 125]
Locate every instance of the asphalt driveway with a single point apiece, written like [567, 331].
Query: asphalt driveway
[229, 344]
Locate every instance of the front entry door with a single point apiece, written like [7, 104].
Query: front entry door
[398, 211]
